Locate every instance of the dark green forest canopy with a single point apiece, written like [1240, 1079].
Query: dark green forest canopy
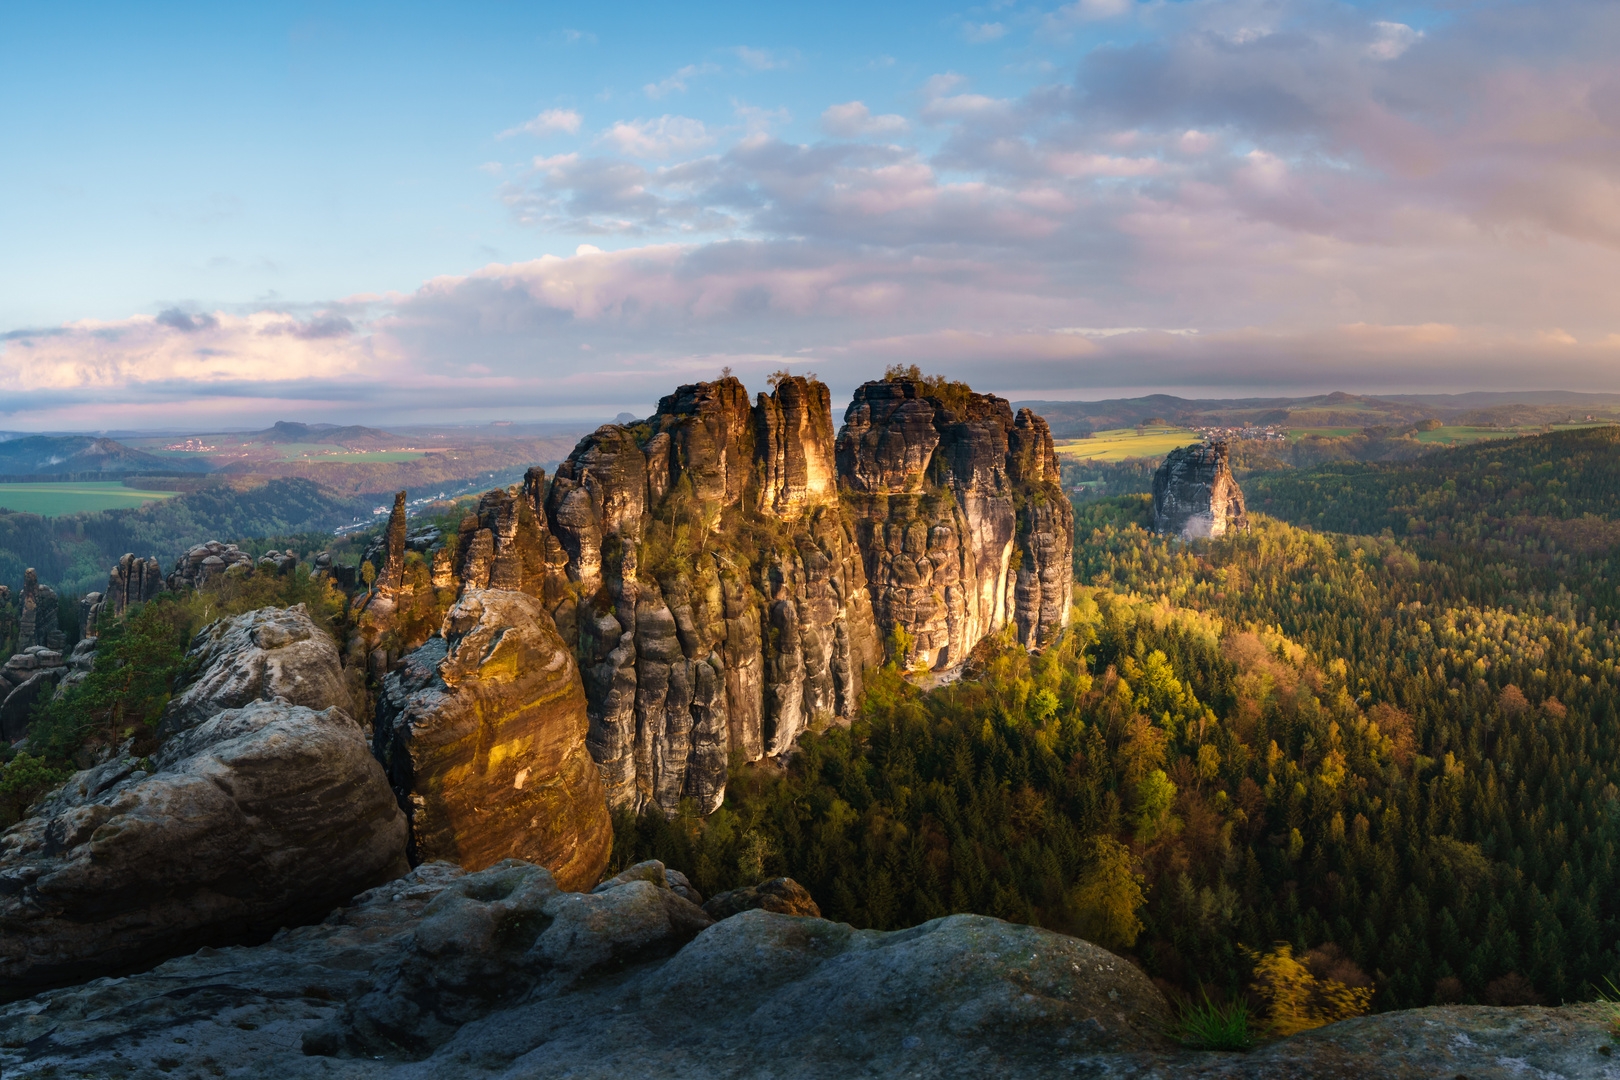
[1405, 746]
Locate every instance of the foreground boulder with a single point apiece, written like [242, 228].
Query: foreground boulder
[259, 818]
[260, 655]
[1195, 494]
[483, 733]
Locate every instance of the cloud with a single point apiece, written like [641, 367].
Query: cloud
[577, 37]
[853, 119]
[179, 320]
[1393, 39]
[1324, 211]
[765, 59]
[677, 82]
[1091, 11]
[983, 33]
[664, 137]
[549, 122]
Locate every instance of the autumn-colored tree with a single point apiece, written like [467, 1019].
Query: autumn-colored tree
[1108, 898]
[1296, 999]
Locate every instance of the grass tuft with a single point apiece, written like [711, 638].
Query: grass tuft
[1210, 1025]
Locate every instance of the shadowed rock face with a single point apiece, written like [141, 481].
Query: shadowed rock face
[482, 731]
[1194, 494]
[258, 818]
[961, 520]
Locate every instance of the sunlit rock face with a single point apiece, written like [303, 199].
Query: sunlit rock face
[1195, 495]
[718, 596]
[482, 732]
[960, 518]
[711, 567]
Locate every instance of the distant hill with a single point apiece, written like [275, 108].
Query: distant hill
[352, 436]
[1338, 409]
[55, 455]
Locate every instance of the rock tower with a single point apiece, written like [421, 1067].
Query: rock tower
[1194, 494]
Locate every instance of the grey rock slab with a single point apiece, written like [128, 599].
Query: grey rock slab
[262, 817]
[260, 655]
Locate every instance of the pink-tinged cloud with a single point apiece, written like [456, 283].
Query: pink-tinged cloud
[1294, 195]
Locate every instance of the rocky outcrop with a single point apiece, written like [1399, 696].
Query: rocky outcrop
[27, 678]
[713, 580]
[781, 895]
[960, 517]
[499, 976]
[258, 818]
[202, 563]
[268, 654]
[482, 731]
[37, 615]
[131, 581]
[1195, 495]
[698, 632]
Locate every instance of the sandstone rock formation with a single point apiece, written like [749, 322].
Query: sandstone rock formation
[697, 631]
[37, 615]
[712, 578]
[27, 678]
[482, 731]
[131, 581]
[781, 895]
[260, 655]
[961, 518]
[258, 818]
[499, 976]
[1195, 495]
[203, 562]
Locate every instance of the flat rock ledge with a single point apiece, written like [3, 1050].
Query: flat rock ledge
[447, 975]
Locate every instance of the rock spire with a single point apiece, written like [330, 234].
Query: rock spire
[1195, 494]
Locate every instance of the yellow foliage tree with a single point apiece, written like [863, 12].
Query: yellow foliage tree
[1296, 999]
[1108, 897]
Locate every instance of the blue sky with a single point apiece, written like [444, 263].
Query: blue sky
[411, 212]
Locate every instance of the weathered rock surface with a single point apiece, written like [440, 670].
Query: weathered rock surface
[258, 818]
[31, 687]
[260, 655]
[712, 579]
[131, 581]
[204, 562]
[742, 643]
[482, 731]
[499, 974]
[447, 975]
[37, 614]
[960, 517]
[781, 895]
[1195, 495]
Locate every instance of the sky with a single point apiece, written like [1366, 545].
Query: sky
[224, 215]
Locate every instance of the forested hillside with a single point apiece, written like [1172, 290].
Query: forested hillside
[73, 552]
[1398, 753]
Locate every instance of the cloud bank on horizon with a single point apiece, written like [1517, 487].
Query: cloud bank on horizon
[1234, 198]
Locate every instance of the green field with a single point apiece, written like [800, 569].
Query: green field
[1123, 443]
[54, 500]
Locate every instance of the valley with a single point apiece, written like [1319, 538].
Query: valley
[1357, 718]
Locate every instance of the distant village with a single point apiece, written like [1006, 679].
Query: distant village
[1267, 433]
